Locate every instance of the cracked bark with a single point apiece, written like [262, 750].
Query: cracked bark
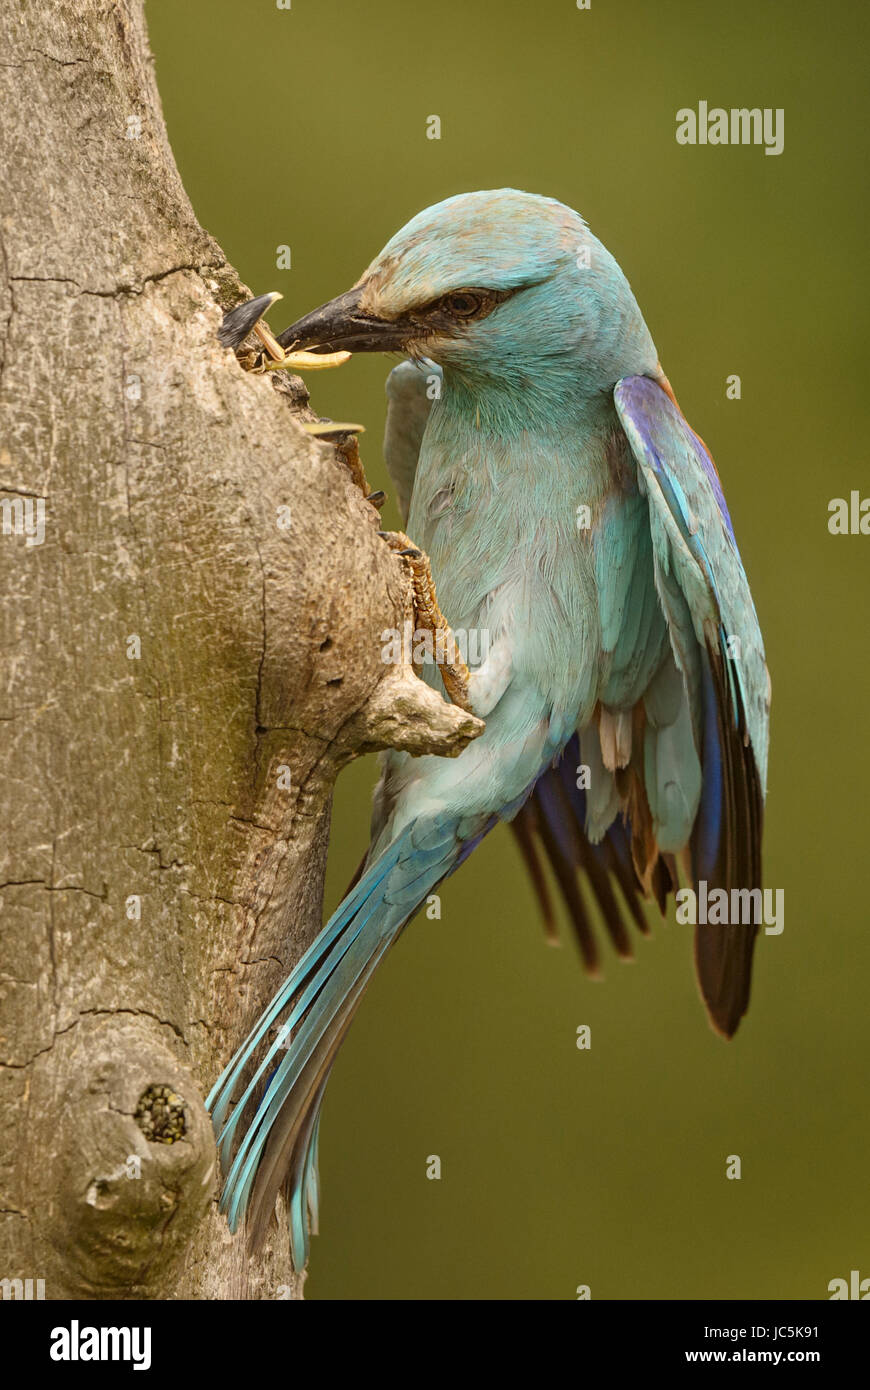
[153, 780]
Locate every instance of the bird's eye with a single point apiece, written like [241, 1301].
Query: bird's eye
[464, 304]
[443, 315]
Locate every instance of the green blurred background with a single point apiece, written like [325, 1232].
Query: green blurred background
[607, 1167]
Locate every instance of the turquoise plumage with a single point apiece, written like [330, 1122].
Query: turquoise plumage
[573, 519]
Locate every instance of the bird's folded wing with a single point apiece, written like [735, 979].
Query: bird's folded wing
[698, 571]
[694, 543]
[411, 388]
[717, 649]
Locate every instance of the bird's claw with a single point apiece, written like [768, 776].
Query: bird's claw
[429, 618]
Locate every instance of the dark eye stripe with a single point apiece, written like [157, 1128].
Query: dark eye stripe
[443, 316]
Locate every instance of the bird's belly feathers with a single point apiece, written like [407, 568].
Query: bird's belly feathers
[544, 552]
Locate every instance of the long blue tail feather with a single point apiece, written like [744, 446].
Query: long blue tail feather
[333, 959]
[314, 1006]
[361, 955]
[221, 1093]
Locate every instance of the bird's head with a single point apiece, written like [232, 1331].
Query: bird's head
[491, 285]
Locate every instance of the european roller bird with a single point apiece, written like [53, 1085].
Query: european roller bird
[571, 515]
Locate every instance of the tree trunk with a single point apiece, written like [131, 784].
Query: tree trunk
[184, 673]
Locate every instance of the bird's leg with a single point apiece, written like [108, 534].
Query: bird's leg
[428, 617]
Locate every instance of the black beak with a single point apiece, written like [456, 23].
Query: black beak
[341, 326]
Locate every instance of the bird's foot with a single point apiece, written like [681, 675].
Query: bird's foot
[429, 618]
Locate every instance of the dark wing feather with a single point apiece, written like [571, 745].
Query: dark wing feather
[553, 819]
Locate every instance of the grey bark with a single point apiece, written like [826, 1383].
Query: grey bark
[153, 778]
